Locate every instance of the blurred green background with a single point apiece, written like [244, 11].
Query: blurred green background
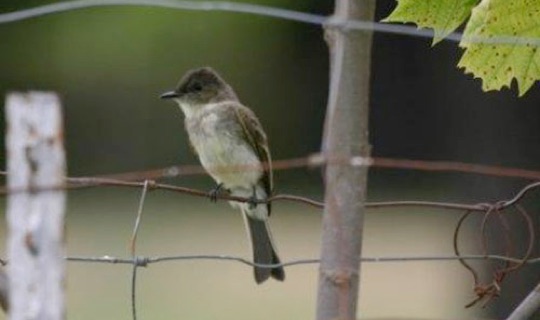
[110, 65]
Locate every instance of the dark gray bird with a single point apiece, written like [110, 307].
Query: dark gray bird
[232, 147]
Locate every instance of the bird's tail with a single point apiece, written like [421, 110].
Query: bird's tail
[263, 249]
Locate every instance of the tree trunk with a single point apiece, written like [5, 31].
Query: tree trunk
[345, 136]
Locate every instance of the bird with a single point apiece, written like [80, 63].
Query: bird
[232, 147]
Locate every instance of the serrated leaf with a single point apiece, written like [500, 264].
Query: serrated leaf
[501, 41]
[443, 16]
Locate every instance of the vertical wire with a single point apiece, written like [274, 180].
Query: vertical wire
[133, 250]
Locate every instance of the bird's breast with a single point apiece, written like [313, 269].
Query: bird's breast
[223, 150]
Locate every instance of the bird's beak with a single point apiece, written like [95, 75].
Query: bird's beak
[169, 95]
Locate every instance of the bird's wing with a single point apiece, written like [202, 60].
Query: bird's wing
[256, 137]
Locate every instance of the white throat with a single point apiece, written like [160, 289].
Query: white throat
[188, 109]
[191, 110]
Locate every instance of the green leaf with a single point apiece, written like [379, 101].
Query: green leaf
[501, 41]
[443, 16]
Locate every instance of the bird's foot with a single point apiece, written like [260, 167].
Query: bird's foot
[253, 201]
[213, 194]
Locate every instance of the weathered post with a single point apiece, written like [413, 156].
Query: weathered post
[35, 214]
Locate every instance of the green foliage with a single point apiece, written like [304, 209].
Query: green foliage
[514, 27]
[443, 16]
[501, 38]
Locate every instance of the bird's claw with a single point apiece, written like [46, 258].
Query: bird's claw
[213, 194]
[253, 201]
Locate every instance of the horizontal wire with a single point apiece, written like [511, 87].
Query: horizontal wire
[318, 160]
[261, 10]
[92, 182]
[284, 14]
[99, 182]
[144, 261]
[315, 160]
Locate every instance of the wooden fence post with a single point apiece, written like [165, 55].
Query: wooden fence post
[345, 137]
[36, 203]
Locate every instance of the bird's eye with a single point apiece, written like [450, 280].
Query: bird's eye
[196, 87]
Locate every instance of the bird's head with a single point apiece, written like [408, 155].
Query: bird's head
[199, 87]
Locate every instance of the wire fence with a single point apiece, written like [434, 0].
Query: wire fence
[496, 212]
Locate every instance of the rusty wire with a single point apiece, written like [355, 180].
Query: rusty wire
[318, 159]
[486, 291]
[136, 178]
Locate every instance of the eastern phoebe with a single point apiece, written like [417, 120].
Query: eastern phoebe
[232, 147]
